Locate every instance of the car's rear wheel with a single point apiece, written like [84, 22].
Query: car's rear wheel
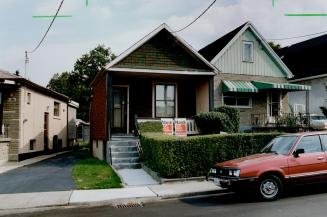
[270, 187]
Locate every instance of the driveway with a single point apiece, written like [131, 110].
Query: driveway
[53, 174]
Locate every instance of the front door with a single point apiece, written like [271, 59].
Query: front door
[309, 166]
[119, 122]
[46, 131]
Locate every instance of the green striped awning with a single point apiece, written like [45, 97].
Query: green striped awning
[285, 86]
[239, 86]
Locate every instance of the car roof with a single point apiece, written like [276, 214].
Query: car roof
[307, 133]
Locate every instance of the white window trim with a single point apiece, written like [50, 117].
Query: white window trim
[236, 106]
[252, 51]
[154, 97]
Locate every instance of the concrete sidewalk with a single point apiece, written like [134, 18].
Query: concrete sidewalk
[7, 166]
[106, 196]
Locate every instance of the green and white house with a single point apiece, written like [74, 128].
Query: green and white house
[251, 76]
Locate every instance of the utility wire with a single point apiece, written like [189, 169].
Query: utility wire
[197, 17]
[295, 37]
[47, 29]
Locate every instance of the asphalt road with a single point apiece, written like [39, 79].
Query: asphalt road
[53, 174]
[308, 202]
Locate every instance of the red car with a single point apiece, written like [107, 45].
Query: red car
[293, 159]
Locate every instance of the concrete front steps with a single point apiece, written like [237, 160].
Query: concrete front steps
[124, 153]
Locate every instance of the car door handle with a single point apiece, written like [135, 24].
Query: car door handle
[320, 158]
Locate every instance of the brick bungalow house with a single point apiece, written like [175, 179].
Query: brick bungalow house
[33, 119]
[160, 76]
[253, 78]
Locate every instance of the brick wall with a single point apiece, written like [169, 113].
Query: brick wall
[11, 118]
[162, 52]
[98, 118]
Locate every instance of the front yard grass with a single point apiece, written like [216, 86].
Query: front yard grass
[91, 173]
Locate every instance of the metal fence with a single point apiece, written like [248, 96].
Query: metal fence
[281, 120]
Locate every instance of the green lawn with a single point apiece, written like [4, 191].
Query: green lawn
[91, 173]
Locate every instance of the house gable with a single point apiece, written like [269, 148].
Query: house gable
[163, 52]
[229, 59]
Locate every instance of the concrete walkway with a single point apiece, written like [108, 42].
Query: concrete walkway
[136, 177]
[106, 196]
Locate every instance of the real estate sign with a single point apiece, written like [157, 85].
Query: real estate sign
[167, 126]
[180, 127]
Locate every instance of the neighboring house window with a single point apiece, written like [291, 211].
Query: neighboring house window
[32, 144]
[56, 109]
[248, 51]
[29, 98]
[165, 101]
[237, 101]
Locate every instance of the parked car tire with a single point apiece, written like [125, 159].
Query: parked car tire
[269, 188]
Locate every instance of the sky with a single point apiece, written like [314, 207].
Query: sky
[120, 23]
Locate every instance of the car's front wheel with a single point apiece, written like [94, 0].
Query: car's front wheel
[269, 188]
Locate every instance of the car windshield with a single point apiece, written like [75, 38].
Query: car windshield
[280, 145]
[318, 118]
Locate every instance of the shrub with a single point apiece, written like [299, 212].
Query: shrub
[176, 157]
[211, 122]
[150, 126]
[233, 117]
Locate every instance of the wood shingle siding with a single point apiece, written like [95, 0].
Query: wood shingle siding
[164, 53]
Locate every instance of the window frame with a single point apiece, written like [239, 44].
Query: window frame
[251, 51]
[54, 109]
[236, 99]
[165, 99]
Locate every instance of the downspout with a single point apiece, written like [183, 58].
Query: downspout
[67, 126]
[211, 94]
[109, 117]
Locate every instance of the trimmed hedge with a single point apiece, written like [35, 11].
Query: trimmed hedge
[211, 122]
[233, 117]
[150, 126]
[181, 157]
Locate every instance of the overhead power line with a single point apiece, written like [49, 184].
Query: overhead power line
[197, 17]
[45, 35]
[295, 37]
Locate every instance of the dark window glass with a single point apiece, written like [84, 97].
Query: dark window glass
[310, 144]
[280, 145]
[230, 101]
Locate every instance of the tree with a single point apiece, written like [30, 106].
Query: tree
[76, 84]
[276, 47]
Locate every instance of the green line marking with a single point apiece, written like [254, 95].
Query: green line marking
[52, 16]
[273, 3]
[306, 15]
[86, 3]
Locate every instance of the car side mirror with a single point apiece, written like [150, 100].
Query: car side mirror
[297, 152]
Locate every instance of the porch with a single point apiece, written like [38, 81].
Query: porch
[262, 104]
[155, 96]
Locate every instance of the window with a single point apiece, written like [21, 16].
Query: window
[324, 141]
[32, 144]
[29, 98]
[56, 109]
[237, 101]
[248, 51]
[310, 144]
[280, 145]
[165, 101]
